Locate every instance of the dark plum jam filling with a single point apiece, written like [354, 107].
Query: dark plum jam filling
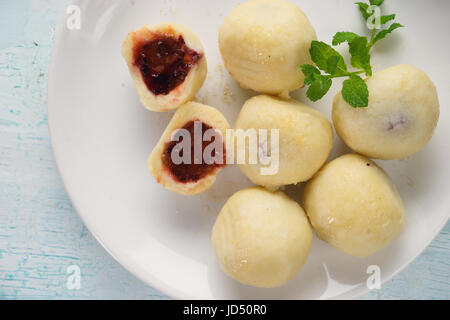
[165, 62]
[191, 172]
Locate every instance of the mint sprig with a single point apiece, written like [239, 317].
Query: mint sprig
[331, 64]
[355, 92]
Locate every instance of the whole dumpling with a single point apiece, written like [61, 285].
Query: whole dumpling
[264, 43]
[400, 120]
[262, 239]
[304, 143]
[353, 205]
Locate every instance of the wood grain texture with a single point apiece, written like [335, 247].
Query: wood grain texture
[41, 234]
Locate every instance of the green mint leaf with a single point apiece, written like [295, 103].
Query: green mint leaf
[376, 2]
[383, 33]
[355, 92]
[336, 66]
[386, 19]
[363, 7]
[310, 72]
[333, 65]
[319, 84]
[360, 51]
[322, 52]
[342, 37]
[319, 88]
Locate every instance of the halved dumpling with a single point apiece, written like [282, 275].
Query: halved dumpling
[191, 151]
[168, 64]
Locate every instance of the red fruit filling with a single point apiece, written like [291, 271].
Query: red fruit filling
[164, 62]
[196, 168]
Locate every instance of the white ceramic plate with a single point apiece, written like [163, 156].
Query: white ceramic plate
[102, 137]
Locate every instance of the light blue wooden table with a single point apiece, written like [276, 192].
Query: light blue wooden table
[41, 234]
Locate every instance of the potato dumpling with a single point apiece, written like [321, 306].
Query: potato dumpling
[353, 206]
[168, 64]
[304, 144]
[262, 239]
[400, 120]
[198, 173]
[264, 43]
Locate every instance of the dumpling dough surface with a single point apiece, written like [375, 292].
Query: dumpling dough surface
[262, 239]
[264, 43]
[400, 120]
[193, 81]
[353, 206]
[191, 111]
[305, 139]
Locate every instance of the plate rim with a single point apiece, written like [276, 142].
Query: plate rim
[154, 282]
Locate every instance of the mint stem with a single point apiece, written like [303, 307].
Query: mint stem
[371, 43]
[347, 74]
